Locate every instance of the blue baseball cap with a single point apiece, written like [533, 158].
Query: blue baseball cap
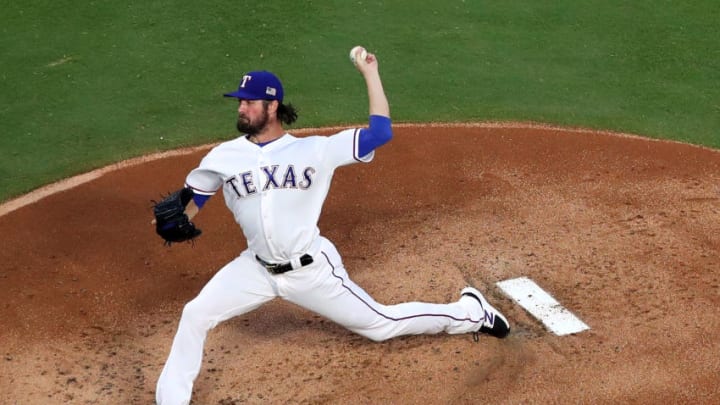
[258, 85]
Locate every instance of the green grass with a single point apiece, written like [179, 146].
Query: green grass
[83, 84]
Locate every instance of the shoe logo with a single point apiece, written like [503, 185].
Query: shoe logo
[489, 319]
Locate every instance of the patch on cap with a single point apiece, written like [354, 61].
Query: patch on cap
[258, 85]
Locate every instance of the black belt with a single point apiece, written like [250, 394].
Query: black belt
[279, 268]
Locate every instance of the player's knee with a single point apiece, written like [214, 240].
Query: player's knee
[190, 312]
[372, 334]
[195, 314]
[377, 338]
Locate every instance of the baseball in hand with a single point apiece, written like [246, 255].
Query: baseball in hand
[357, 52]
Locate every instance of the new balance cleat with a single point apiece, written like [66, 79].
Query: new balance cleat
[494, 324]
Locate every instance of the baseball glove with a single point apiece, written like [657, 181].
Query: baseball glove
[171, 222]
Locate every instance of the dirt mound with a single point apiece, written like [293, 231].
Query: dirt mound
[623, 231]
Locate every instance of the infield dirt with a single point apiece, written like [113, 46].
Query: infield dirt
[623, 231]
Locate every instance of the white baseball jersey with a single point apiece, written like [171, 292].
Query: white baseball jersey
[276, 191]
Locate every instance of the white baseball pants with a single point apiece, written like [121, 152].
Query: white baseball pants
[322, 287]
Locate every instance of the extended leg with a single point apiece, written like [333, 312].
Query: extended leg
[326, 289]
[237, 288]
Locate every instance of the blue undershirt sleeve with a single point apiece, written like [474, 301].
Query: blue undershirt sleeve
[200, 199]
[378, 133]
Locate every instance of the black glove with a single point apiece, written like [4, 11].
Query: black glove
[171, 222]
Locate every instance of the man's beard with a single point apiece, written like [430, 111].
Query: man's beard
[246, 127]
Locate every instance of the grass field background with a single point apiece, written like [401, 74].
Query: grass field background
[84, 84]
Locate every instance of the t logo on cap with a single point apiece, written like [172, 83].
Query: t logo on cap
[258, 85]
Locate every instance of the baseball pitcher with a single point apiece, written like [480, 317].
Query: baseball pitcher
[275, 184]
